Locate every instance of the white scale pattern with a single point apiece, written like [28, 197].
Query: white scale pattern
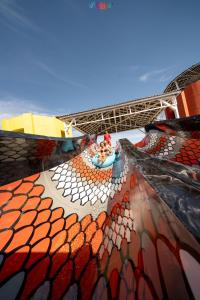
[78, 188]
[154, 139]
[119, 229]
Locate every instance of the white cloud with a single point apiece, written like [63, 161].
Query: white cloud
[12, 106]
[144, 77]
[160, 75]
[54, 74]
[12, 15]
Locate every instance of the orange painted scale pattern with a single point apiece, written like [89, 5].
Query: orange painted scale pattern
[56, 242]
[103, 258]
[174, 148]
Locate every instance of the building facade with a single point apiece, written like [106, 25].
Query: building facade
[37, 124]
[188, 101]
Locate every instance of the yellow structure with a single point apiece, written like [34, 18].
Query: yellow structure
[37, 124]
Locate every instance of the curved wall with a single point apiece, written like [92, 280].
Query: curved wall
[71, 231]
[189, 100]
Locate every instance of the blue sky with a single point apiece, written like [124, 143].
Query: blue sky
[61, 56]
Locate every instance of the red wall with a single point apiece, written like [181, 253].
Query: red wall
[181, 108]
[188, 101]
[192, 94]
[169, 114]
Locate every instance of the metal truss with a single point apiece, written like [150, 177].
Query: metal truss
[121, 117]
[190, 75]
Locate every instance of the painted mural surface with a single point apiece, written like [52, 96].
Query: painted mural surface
[71, 231]
[178, 141]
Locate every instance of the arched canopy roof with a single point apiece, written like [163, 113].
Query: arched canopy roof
[124, 116]
[188, 76]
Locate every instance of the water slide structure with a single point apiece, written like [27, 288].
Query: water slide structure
[130, 231]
